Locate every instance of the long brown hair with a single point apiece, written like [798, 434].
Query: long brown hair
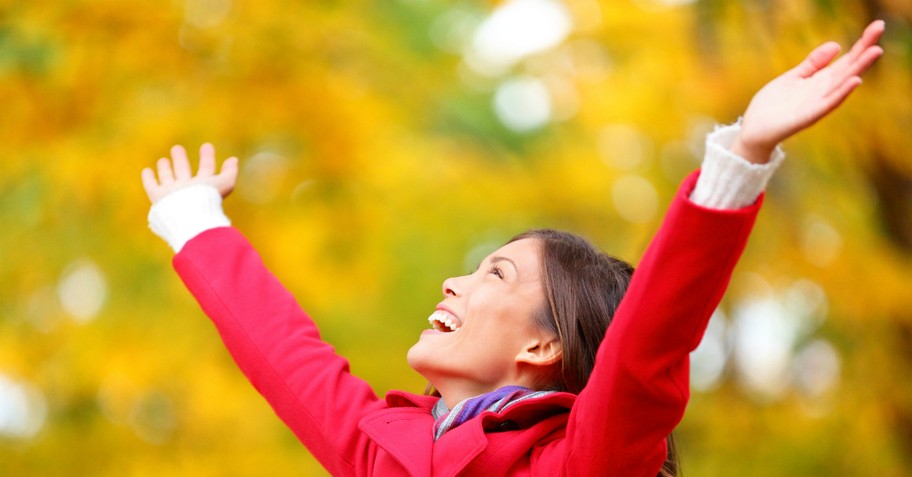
[583, 288]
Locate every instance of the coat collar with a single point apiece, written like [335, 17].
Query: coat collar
[404, 399]
[404, 429]
[405, 433]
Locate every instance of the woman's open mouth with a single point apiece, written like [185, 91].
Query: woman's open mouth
[444, 321]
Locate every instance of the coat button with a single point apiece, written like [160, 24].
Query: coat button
[507, 426]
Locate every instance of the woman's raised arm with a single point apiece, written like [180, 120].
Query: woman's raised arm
[639, 387]
[273, 341]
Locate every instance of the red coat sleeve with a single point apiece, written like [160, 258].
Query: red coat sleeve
[278, 347]
[639, 387]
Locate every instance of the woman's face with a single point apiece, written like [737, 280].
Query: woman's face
[484, 324]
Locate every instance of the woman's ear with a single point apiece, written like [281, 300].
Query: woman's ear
[542, 351]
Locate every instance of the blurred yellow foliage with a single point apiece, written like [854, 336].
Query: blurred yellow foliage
[375, 163]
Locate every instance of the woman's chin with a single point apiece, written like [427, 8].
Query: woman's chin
[425, 360]
[417, 358]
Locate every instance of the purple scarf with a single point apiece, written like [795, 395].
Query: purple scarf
[494, 401]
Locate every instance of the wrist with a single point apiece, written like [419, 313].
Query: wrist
[728, 180]
[187, 212]
[753, 152]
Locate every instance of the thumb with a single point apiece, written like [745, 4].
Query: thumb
[226, 179]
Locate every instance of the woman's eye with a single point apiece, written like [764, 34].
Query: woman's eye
[496, 271]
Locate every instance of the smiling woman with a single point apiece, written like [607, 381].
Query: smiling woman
[494, 340]
[551, 358]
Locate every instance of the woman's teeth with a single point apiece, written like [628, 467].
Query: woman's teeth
[443, 321]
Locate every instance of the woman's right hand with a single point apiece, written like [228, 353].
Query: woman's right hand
[176, 173]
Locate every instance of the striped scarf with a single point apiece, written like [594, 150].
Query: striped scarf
[494, 401]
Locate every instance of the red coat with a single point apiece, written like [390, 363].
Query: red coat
[616, 426]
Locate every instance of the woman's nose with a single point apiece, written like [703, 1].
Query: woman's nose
[451, 287]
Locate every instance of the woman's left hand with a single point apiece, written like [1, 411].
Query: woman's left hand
[803, 95]
[181, 175]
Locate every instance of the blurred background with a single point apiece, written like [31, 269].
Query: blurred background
[386, 145]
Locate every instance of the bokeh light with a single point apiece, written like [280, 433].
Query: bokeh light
[387, 145]
[82, 290]
[515, 30]
[23, 410]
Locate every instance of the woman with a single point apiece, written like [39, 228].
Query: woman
[528, 380]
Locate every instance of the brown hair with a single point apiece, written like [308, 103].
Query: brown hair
[583, 288]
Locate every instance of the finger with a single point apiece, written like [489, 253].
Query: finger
[207, 161]
[230, 169]
[834, 99]
[869, 37]
[845, 68]
[867, 58]
[854, 62]
[165, 175]
[149, 183]
[181, 164]
[227, 177]
[818, 59]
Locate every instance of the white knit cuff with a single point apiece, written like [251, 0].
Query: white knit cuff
[728, 181]
[186, 213]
